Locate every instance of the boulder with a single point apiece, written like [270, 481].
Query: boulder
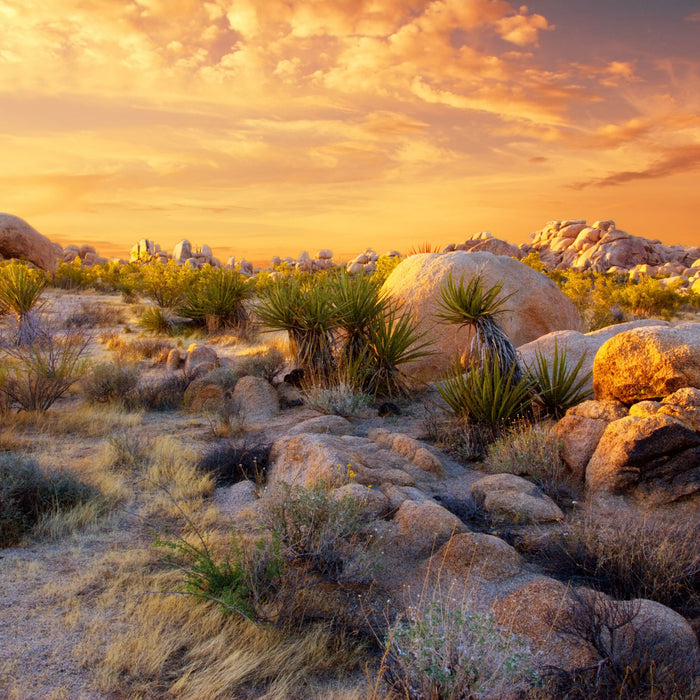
[473, 556]
[537, 306]
[577, 345]
[182, 251]
[370, 501]
[425, 525]
[200, 355]
[174, 360]
[255, 399]
[648, 363]
[580, 431]
[203, 395]
[20, 240]
[333, 425]
[497, 247]
[655, 459]
[507, 497]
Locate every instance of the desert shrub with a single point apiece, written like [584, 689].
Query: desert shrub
[266, 363]
[648, 298]
[438, 651]
[154, 320]
[155, 349]
[532, 451]
[629, 666]
[313, 525]
[40, 373]
[28, 494]
[165, 394]
[557, 387]
[126, 450]
[218, 299]
[632, 556]
[110, 382]
[338, 398]
[72, 275]
[425, 247]
[232, 463]
[165, 284]
[385, 266]
[21, 288]
[92, 314]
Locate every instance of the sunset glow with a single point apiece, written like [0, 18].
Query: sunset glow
[264, 127]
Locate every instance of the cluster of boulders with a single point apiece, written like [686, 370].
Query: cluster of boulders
[573, 244]
[484, 242]
[640, 437]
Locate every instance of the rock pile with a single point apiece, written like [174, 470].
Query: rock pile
[573, 244]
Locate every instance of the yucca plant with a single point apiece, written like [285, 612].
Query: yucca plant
[20, 290]
[485, 394]
[218, 300]
[477, 306]
[307, 313]
[154, 320]
[393, 341]
[360, 304]
[557, 387]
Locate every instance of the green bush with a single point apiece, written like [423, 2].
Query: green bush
[155, 320]
[218, 299]
[485, 394]
[29, 494]
[20, 290]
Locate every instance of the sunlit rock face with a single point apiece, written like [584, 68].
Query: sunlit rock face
[19, 240]
[536, 306]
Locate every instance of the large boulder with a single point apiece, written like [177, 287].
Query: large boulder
[578, 345]
[19, 240]
[655, 459]
[648, 363]
[255, 399]
[536, 306]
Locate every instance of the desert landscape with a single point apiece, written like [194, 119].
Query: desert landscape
[471, 472]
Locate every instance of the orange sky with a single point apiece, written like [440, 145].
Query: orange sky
[264, 127]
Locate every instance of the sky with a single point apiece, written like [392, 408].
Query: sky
[268, 127]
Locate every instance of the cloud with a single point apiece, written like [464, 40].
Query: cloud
[676, 160]
[693, 17]
[522, 29]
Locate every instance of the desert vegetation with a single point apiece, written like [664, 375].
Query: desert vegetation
[143, 507]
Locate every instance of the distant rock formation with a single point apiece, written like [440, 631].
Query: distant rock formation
[19, 240]
[572, 244]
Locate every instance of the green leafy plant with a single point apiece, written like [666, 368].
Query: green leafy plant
[155, 320]
[485, 394]
[217, 299]
[20, 290]
[477, 306]
[307, 312]
[557, 386]
[393, 341]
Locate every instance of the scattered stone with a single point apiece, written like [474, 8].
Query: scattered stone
[425, 525]
[200, 355]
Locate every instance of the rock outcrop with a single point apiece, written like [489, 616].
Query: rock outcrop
[536, 306]
[20, 240]
[648, 363]
[604, 248]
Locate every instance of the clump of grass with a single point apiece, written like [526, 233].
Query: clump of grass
[30, 495]
[110, 382]
[532, 451]
[93, 314]
[166, 394]
[631, 556]
[232, 463]
[265, 363]
[340, 399]
[154, 320]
